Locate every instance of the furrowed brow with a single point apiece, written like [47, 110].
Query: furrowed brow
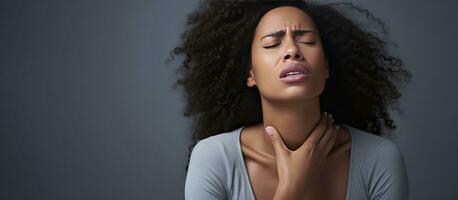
[281, 33]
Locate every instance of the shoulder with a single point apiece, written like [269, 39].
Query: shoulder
[381, 165]
[217, 152]
[217, 145]
[373, 147]
[211, 167]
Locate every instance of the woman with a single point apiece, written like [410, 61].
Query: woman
[289, 100]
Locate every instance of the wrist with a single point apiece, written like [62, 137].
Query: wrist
[288, 191]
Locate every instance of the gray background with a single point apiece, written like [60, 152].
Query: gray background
[87, 110]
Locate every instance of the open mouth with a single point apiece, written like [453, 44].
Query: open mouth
[294, 72]
[294, 76]
[291, 74]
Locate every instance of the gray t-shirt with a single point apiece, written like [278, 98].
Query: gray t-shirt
[217, 169]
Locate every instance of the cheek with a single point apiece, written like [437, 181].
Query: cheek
[264, 66]
[317, 62]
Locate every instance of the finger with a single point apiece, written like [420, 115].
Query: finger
[316, 134]
[318, 170]
[332, 141]
[329, 133]
[279, 146]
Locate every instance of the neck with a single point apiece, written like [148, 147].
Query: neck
[294, 121]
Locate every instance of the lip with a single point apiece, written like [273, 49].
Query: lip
[294, 67]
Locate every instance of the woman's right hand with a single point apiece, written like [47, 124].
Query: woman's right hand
[297, 169]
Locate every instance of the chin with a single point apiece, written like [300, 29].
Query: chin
[293, 93]
[294, 96]
[296, 92]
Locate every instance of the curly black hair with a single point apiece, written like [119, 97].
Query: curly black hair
[216, 47]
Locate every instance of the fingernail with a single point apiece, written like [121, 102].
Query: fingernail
[269, 130]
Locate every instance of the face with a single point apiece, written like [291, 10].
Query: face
[297, 42]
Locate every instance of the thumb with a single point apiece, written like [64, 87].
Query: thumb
[279, 147]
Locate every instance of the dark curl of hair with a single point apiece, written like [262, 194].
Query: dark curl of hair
[217, 51]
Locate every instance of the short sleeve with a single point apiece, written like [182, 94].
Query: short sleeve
[206, 173]
[388, 178]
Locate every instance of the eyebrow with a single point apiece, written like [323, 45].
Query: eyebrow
[281, 33]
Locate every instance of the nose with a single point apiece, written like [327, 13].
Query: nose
[292, 52]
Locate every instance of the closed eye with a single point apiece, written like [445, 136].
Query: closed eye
[272, 46]
[268, 47]
[311, 43]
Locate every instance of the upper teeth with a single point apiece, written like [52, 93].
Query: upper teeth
[292, 73]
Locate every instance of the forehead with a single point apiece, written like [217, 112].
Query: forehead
[284, 17]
